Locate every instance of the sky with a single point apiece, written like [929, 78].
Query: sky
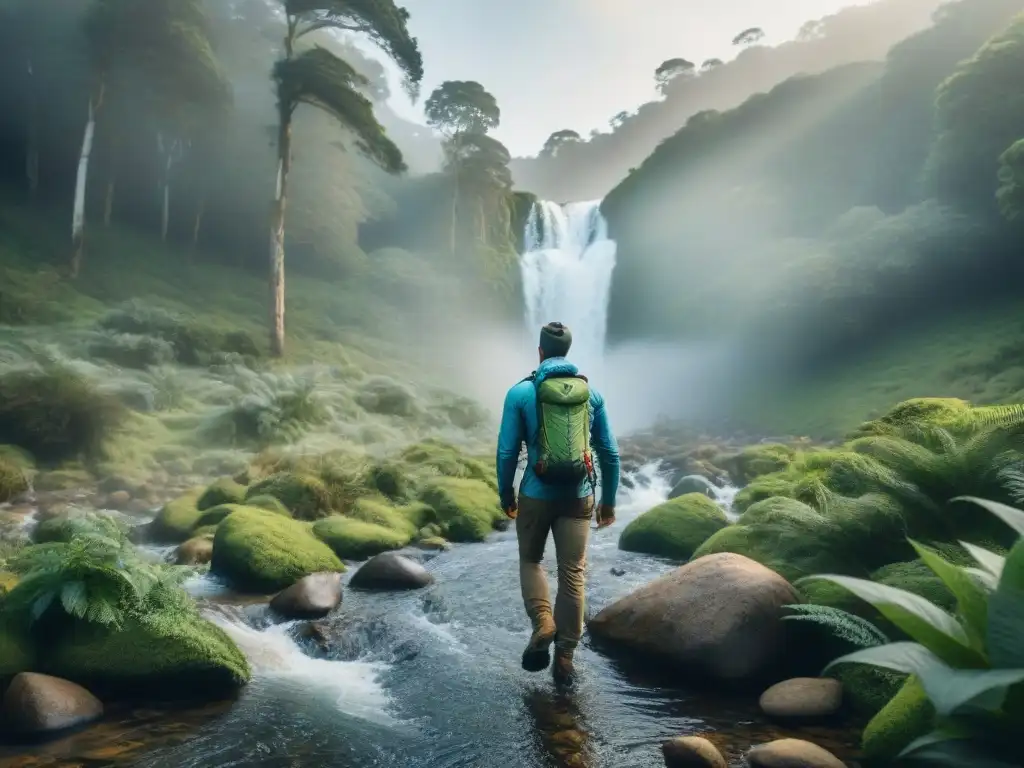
[555, 64]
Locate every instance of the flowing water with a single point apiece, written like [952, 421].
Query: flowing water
[429, 678]
[567, 266]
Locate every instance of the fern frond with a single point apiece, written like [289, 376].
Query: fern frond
[843, 625]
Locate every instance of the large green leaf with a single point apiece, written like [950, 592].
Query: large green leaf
[950, 690]
[955, 748]
[971, 597]
[989, 561]
[1006, 614]
[1012, 517]
[920, 619]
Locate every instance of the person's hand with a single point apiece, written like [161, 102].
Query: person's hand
[512, 512]
[605, 515]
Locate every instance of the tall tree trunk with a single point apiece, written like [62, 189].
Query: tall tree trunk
[32, 148]
[284, 162]
[197, 223]
[165, 213]
[455, 215]
[78, 212]
[108, 201]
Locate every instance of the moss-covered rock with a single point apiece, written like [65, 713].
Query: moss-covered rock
[390, 479]
[918, 578]
[906, 717]
[65, 479]
[261, 552]
[357, 539]
[674, 529]
[13, 480]
[268, 503]
[305, 495]
[177, 519]
[223, 491]
[379, 512]
[212, 518]
[172, 655]
[938, 411]
[757, 460]
[467, 510]
[764, 487]
[445, 459]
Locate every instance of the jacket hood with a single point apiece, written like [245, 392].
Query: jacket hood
[555, 366]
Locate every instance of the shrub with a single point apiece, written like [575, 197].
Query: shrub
[56, 414]
[388, 397]
[193, 342]
[969, 665]
[12, 479]
[279, 409]
[305, 496]
[132, 351]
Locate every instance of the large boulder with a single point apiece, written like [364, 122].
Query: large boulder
[718, 617]
[792, 753]
[674, 529]
[164, 655]
[803, 699]
[693, 484]
[390, 571]
[36, 705]
[260, 552]
[311, 597]
[692, 752]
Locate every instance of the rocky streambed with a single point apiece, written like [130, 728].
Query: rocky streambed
[431, 677]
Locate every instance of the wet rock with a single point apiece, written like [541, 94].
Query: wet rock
[195, 551]
[802, 699]
[36, 705]
[119, 499]
[692, 752]
[311, 597]
[739, 636]
[693, 484]
[618, 571]
[792, 753]
[391, 572]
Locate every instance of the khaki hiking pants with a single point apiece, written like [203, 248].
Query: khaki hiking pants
[569, 521]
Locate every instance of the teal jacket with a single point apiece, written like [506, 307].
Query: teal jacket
[519, 425]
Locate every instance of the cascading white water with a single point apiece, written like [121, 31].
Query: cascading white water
[567, 266]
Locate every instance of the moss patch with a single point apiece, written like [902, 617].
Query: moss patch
[268, 503]
[674, 529]
[180, 654]
[305, 495]
[178, 518]
[867, 689]
[467, 510]
[356, 539]
[757, 460]
[262, 552]
[223, 491]
[908, 716]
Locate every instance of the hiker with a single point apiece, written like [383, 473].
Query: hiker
[562, 420]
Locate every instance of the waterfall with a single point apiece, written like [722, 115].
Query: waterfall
[567, 266]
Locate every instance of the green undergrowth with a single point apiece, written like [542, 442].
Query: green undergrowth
[976, 355]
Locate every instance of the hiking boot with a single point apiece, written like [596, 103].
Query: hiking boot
[563, 669]
[536, 656]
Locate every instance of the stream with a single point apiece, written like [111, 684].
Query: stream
[428, 679]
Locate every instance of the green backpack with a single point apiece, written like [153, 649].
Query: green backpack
[563, 437]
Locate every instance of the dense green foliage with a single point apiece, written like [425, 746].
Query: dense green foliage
[869, 200]
[969, 665]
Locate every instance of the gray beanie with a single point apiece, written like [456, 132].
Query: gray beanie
[555, 340]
